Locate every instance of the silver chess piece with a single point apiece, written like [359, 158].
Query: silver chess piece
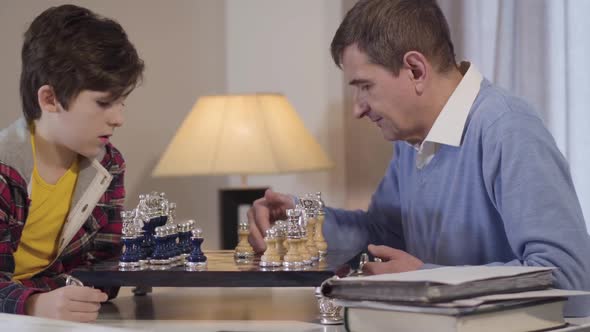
[72, 281]
[330, 313]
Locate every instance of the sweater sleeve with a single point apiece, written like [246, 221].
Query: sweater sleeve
[13, 295]
[381, 224]
[529, 182]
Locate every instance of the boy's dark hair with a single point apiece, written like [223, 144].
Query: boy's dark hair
[387, 29]
[73, 49]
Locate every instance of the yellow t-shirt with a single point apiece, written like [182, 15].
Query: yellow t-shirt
[49, 208]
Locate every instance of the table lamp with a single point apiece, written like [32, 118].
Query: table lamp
[241, 135]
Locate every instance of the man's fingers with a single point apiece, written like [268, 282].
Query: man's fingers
[384, 252]
[374, 268]
[280, 200]
[261, 215]
[255, 237]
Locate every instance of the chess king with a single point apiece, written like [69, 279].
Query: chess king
[61, 179]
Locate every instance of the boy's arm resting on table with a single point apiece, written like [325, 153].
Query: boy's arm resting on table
[380, 224]
[13, 295]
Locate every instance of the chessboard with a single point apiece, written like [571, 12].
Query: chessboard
[222, 270]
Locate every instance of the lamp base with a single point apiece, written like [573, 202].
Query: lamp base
[230, 200]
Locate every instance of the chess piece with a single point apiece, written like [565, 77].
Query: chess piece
[280, 227]
[184, 238]
[320, 242]
[160, 256]
[164, 206]
[310, 222]
[196, 258]
[271, 257]
[293, 256]
[130, 253]
[142, 217]
[172, 243]
[243, 250]
[330, 312]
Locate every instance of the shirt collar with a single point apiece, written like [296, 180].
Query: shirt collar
[448, 126]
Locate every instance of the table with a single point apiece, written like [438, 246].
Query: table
[216, 309]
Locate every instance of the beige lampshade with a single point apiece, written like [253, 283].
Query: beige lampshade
[241, 134]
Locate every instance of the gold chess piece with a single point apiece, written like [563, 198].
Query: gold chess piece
[244, 250]
[320, 242]
[281, 240]
[292, 257]
[271, 256]
[310, 243]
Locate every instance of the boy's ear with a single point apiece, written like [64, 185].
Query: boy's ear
[47, 99]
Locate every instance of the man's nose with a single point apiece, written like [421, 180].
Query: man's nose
[360, 109]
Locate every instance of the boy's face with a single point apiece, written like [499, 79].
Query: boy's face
[89, 122]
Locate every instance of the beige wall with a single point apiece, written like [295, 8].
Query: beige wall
[194, 48]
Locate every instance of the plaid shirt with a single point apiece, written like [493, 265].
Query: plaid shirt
[97, 239]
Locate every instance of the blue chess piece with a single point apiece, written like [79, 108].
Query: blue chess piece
[197, 258]
[161, 252]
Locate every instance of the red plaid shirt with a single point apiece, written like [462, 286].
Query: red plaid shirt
[98, 239]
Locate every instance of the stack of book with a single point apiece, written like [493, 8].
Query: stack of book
[464, 299]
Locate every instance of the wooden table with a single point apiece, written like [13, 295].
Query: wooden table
[216, 309]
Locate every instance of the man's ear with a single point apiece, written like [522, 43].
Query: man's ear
[47, 99]
[417, 66]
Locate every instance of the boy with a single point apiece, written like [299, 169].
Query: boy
[61, 181]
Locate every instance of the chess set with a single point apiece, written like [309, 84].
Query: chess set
[159, 251]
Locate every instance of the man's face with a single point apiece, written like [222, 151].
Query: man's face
[387, 100]
[89, 122]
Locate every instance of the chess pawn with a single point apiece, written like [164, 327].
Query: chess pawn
[160, 256]
[243, 250]
[271, 256]
[292, 257]
[320, 242]
[197, 258]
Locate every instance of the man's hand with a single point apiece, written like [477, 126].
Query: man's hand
[73, 303]
[394, 261]
[263, 213]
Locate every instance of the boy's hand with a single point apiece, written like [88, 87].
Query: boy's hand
[263, 213]
[73, 303]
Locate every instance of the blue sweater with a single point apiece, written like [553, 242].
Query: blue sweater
[504, 197]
